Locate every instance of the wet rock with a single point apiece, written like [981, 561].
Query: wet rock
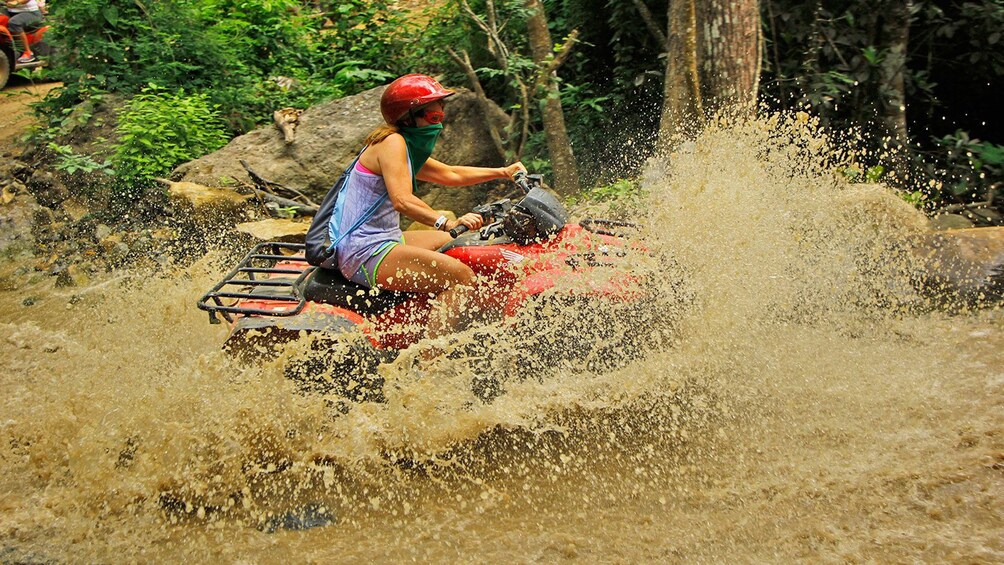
[21, 171]
[47, 189]
[290, 231]
[16, 222]
[42, 218]
[11, 190]
[73, 275]
[81, 231]
[102, 232]
[208, 205]
[964, 265]
[879, 206]
[141, 243]
[113, 247]
[48, 263]
[329, 136]
[950, 222]
[74, 210]
[120, 251]
[310, 516]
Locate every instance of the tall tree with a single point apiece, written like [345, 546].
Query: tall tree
[892, 69]
[566, 175]
[713, 63]
[534, 81]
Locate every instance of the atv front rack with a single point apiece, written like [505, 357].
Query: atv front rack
[261, 276]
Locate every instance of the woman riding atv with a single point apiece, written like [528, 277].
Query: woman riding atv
[370, 248]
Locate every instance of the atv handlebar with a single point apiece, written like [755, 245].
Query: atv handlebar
[520, 179]
[494, 211]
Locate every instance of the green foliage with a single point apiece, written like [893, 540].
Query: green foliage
[234, 51]
[71, 163]
[623, 198]
[871, 174]
[970, 165]
[160, 129]
[610, 86]
[200, 71]
[247, 58]
[620, 189]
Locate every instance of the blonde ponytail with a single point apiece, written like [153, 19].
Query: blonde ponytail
[379, 134]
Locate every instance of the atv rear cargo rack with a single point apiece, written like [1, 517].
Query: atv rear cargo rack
[260, 276]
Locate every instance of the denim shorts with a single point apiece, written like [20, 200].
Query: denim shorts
[367, 272]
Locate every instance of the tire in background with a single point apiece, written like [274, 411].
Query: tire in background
[5, 64]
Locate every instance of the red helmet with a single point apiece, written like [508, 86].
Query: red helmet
[408, 92]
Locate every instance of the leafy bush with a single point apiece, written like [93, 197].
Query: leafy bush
[160, 130]
[71, 163]
[233, 51]
[970, 165]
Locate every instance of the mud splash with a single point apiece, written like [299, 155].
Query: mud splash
[802, 404]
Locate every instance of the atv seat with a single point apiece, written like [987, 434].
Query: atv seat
[330, 287]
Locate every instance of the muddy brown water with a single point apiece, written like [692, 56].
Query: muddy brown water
[806, 406]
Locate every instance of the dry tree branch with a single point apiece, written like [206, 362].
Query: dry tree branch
[545, 73]
[524, 96]
[653, 28]
[495, 45]
[472, 77]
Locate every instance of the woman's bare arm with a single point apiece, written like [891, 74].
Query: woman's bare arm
[457, 175]
[392, 156]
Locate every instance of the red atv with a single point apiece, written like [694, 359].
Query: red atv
[527, 251]
[9, 55]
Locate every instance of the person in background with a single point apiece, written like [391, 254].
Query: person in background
[19, 15]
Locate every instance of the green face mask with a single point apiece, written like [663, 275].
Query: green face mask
[421, 141]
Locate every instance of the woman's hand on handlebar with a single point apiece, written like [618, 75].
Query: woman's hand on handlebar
[511, 170]
[471, 220]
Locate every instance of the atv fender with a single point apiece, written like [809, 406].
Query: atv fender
[530, 286]
[263, 333]
[623, 289]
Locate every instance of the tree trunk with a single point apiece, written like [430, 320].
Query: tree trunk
[713, 65]
[566, 175]
[682, 107]
[892, 90]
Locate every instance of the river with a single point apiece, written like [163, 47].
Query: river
[808, 406]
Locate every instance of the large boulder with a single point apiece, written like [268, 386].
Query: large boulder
[964, 265]
[328, 137]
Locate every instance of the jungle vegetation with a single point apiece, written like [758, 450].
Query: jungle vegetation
[595, 86]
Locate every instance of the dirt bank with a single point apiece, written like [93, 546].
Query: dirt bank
[15, 112]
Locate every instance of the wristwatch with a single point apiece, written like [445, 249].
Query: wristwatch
[440, 223]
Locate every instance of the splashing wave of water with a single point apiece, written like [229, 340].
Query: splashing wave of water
[784, 399]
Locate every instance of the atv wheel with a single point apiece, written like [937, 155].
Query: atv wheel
[5, 66]
[342, 367]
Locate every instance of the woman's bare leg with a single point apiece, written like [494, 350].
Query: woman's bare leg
[414, 269]
[427, 239]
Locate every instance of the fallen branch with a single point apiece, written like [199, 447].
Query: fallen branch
[271, 187]
[298, 208]
[495, 44]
